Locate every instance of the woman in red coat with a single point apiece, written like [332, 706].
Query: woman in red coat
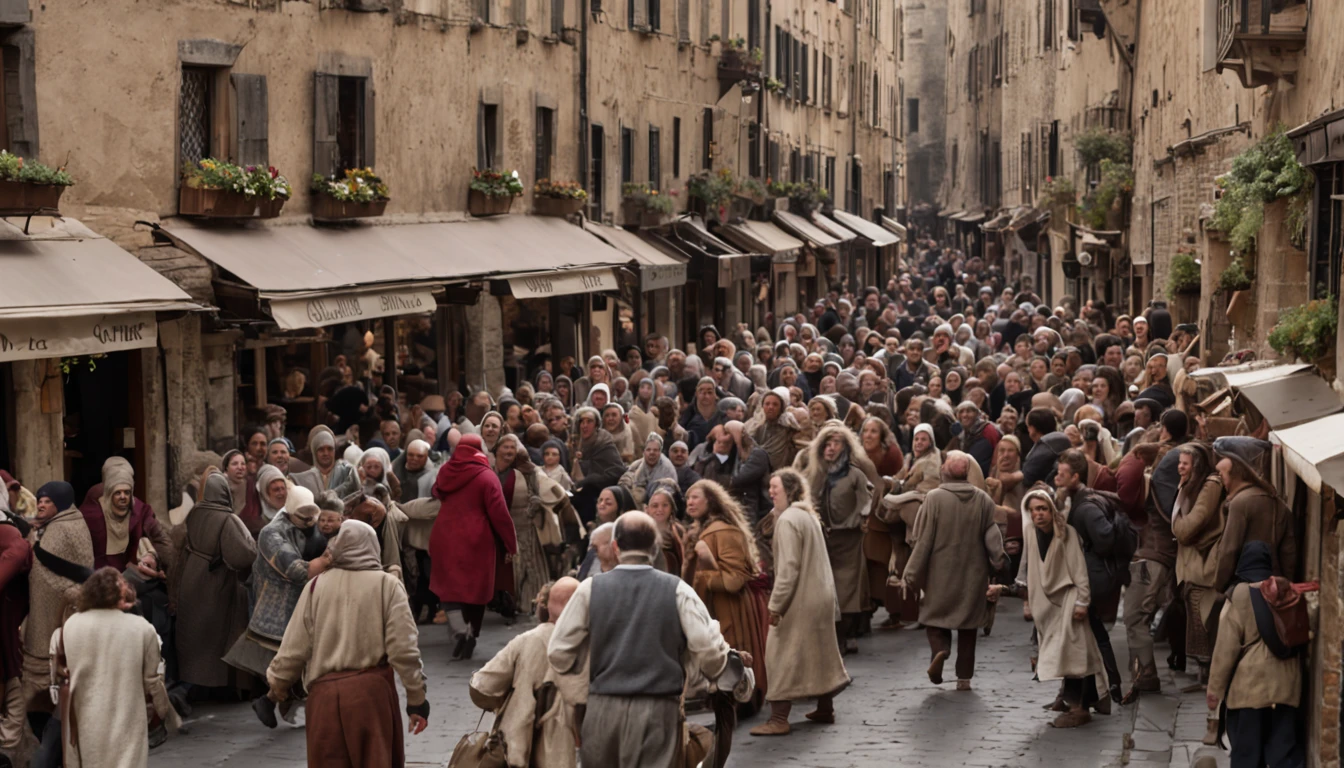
[473, 523]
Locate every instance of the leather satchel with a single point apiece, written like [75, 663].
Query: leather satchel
[1284, 627]
[482, 749]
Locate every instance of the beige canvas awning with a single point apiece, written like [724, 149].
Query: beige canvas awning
[896, 227]
[314, 276]
[763, 237]
[1314, 451]
[833, 227]
[875, 234]
[806, 230]
[657, 268]
[543, 285]
[1285, 395]
[65, 290]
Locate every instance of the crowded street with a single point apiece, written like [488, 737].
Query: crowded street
[893, 717]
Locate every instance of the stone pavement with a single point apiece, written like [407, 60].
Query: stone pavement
[891, 715]
[1167, 729]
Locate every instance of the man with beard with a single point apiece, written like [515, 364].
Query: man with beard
[117, 520]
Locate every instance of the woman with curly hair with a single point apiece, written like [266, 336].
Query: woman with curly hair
[721, 563]
[803, 598]
[842, 478]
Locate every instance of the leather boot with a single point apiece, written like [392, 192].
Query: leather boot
[772, 727]
[936, 667]
[460, 632]
[1147, 680]
[1076, 716]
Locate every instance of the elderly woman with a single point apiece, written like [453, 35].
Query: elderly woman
[802, 599]
[1053, 581]
[281, 570]
[375, 469]
[272, 490]
[613, 421]
[841, 479]
[597, 462]
[652, 467]
[352, 629]
[521, 483]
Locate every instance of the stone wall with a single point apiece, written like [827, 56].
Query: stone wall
[925, 72]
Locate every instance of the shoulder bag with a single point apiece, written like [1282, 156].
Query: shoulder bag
[482, 749]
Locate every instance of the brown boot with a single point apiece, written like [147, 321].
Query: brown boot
[1211, 732]
[772, 727]
[936, 667]
[963, 685]
[825, 717]
[1147, 680]
[1075, 717]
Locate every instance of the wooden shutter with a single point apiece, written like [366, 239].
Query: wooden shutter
[326, 122]
[557, 17]
[250, 130]
[640, 14]
[684, 20]
[369, 134]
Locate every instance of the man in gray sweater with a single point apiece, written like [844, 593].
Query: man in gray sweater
[642, 630]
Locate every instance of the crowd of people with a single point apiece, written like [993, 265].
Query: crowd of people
[688, 526]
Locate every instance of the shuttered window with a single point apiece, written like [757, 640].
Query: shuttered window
[251, 129]
[545, 142]
[597, 169]
[193, 115]
[343, 132]
[676, 147]
[655, 158]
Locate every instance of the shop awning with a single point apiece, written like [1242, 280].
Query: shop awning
[1314, 451]
[1285, 395]
[387, 268]
[764, 237]
[694, 227]
[809, 232]
[867, 229]
[544, 285]
[895, 227]
[65, 290]
[657, 268]
[833, 227]
[1025, 217]
[998, 222]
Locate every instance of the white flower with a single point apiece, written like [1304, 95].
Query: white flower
[515, 174]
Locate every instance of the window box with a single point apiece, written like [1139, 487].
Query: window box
[224, 204]
[481, 204]
[560, 207]
[634, 214]
[20, 198]
[327, 208]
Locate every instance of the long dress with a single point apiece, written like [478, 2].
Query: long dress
[803, 661]
[113, 657]
[727, 592]
[530, 571]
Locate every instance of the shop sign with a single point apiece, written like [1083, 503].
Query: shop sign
[733, 268]
[546, 285]
[32, 338]
[330, 309]
[653, 277]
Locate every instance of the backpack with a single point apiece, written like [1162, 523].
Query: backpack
[1126, 537]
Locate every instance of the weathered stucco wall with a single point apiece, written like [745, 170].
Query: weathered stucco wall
[925, 71]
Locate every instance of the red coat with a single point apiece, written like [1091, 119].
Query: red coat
[142, 524]
[16, 559]
[473, 522]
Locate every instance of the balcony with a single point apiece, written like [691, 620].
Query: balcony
[737, 65]
[1261, 40]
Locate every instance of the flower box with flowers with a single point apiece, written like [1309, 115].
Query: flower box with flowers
[358, 194]
[645, 207]
[492, 192]
[29, 187]
[220, 190]
[558, 198]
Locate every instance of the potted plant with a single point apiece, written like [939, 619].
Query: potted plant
[558, 198]
[644, 207]
[1308, 332]
[492, 192]
[1235, 282]
[28, 187]
[359, 194]
[712, 193]
[804, 196]
[736, 63]
[219, 189]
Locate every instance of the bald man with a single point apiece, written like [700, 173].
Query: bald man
[522, 667]
[637, 626]
[958, 550]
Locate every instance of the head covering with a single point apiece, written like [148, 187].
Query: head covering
[265, 476]
[352, 454]
[925, 429]
[1252, 454]
[301, 507]
[61, 493]
[1255, 563]
[216, 494]
[355, 548]
[1072, 399]
[321, 436]
[599, 387]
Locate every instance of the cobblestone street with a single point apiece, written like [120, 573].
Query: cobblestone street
[891, 715]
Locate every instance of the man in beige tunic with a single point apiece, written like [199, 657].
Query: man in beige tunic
[538, 722]
[959, 548]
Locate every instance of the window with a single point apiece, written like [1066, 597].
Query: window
[655, 13]
[855, 187]
[754, 150]
[1048, 25]
[810, 167]
[806, 95]
[1326, 245]
[684, 21]
[18, 87]
[827, 72]
[912, 115]
[795, 166]
[194, 110]
[795, 68]
[877, 98]
[545, 142]
[707, 139]
[753, 24]
[627, 155]
[655, 158]
[829, 181]
[779, 54]
[597, 170]
[676, 147]
[343, 123]
[487, 143]
[773, 161]
[1074, 29]
[557, 17]
[953, 164]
